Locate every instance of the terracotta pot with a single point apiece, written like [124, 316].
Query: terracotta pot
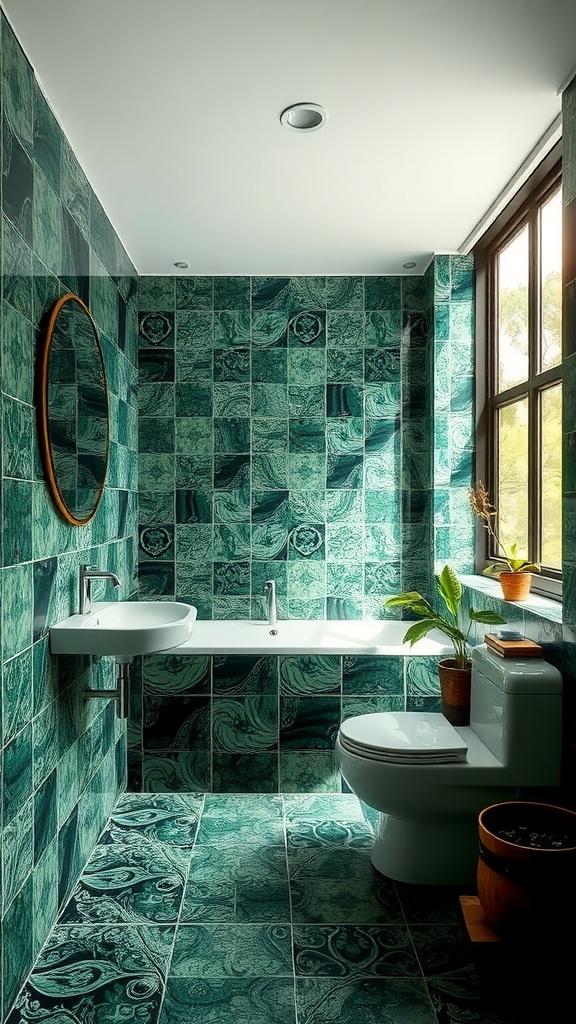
[527, 865]
[455, 691]
[515, 585]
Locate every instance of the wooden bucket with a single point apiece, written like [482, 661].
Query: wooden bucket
[527, 865]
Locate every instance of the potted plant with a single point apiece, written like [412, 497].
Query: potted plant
[455, 673]
[514, 573]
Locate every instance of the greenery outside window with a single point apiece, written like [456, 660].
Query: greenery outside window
[519, 374]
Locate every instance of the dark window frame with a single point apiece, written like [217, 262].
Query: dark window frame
[522, 209]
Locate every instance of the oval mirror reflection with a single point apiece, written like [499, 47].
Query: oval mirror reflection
[73, 417]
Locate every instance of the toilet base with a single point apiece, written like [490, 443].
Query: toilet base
[429, 851]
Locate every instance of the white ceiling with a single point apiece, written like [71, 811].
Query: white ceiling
[172, 108]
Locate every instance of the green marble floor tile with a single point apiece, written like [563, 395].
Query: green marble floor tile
[170, 818]
[97, 973]
[401, 1001]
[362, 900]
[133, 881]
[229, 1001]
[378, 951]
[237, 951]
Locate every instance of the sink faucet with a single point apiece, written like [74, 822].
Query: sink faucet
[88, 573]
[270, 592]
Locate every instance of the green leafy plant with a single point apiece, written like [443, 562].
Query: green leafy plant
[451, 624]
[509, 562]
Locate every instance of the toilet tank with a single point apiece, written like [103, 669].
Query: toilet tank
[516, 710]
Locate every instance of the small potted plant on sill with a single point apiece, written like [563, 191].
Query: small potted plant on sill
[514, 573]
[455, 673]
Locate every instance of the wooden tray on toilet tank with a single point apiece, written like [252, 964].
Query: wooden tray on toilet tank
[513, 648]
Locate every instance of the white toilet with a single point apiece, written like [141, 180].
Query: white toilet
[429, 780]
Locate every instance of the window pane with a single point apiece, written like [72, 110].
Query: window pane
[513, 312]
[551, 284]
[513, 476]
[551, 422]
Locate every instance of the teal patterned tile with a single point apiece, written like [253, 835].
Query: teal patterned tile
[17, 442]
[323, 1000]
[269, 435]
[194, 365]
[270, 472]
[306, 471]
[46, 226]
[415, 293]
[229, 1001]
[45, 895]
[376, 951]
[232, 951]
[134, 881]
[129, 969]
[369, 704]
[231, 578]
[193, 399]
[462, 321]
[75, 189]
[269, 400]
[344, 330]
[17, 350]
[306, 580]
[17, 948]
[345, 436]
[245, 773]
[306, 401]
[309, 723]
[239, 674]
[383, 329]
[194, 331]
[17, 82]
[367, 898]
[306, 367]
[17, 852]
[231, 400]
[196, 470]
[344, 400]
[231, 434]
[17, 273]
[344, 579]
[17, 774]
[231, 329]
[17, 698]
[177, 771]
[269, 328]
[345, 543]
[383, 292]
[382, 400]
[345, 366]
[232, 543]
[270, 293]
[17, 608]
[232, 293]
[307, 771]
[345, 292]
[307, 293]
[325, 814]
[232, 365]
[309, 674]
[169, 673]
[194, 292]
[247, 833]
[269, 366]
[372, 675]
[156, 399]
[194, 543]
[383, 541]
[156, 434]
[156, 472]
[245, 724]
[344, 506]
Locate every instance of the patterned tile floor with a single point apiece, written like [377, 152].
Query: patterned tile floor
[250, 909]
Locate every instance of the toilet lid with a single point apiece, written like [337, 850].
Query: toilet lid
[407, 737]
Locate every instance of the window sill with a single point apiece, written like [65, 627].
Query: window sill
[536, 604]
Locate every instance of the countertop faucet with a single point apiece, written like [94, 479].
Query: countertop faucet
[270, 592]
[87, 574]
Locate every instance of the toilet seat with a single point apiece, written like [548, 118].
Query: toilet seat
[407, 737]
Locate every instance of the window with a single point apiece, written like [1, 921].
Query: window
[519, 371]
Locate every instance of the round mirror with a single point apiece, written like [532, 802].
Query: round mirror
[73, 410]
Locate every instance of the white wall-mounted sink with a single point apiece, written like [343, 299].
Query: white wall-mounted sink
[124, 628]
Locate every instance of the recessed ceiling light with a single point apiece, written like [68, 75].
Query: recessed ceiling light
[181, 266]
[303, 117]
[409, 265]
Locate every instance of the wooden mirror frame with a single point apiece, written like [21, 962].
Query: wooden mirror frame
[44, 440]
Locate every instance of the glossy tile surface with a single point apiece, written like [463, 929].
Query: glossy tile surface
[250, 909]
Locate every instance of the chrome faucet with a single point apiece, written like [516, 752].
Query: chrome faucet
[270, 592]
[87, 574]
